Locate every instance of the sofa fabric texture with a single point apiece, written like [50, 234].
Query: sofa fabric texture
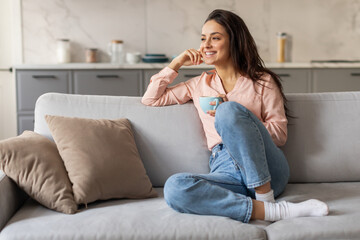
[152, 219]
[11, 198]
[322, 142]
[323, 137]
[34, 163]
[146, 219]
[101, 158]
[322, 151]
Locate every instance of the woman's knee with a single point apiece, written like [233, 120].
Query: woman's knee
[229, 113]
[176, 188]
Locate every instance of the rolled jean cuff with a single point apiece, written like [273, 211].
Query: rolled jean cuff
[260, 183]
[249, 211]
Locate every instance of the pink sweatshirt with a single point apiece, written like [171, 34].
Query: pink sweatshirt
[264, 101]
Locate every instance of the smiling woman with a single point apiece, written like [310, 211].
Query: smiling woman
[247, 168]
[215, 44]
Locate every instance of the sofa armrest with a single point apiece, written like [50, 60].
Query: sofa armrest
[11, 199]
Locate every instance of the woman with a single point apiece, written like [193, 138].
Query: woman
[247, 168]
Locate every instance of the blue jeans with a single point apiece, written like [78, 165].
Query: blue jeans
[247, 158]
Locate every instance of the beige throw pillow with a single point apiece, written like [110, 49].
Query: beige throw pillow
[34, 163]
[101, 158]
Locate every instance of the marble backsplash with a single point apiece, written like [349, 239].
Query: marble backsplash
[319, 29]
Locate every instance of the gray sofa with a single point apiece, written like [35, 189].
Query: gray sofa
[323, 151]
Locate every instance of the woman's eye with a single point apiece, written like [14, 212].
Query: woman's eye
[202, 39]
[216, 38]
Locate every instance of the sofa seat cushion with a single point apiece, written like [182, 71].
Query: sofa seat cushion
[342, 222]
[124, 219]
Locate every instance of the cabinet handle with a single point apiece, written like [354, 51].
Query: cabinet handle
[43, 76]
[355, 74]
[6, 69]
[107, 76]
[284, 75]
[191, 75]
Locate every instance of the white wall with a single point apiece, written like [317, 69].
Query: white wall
[10, 49]
[321, 29]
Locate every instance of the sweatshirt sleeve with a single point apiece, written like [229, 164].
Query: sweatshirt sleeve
[273, 113]
[159, 94]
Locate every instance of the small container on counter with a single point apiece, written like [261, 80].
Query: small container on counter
[281, 46]
[63, 51]
[133, 57]
[116, 51]
[90, 55]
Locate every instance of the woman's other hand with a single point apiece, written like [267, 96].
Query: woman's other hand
[187, 58]
[213, 112]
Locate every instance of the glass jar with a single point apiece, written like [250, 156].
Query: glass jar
[63, 50]
[116, 51]
[281, 46]
[90, 55]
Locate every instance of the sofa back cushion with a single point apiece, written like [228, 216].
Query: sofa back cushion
[169, 139]
[324, 137]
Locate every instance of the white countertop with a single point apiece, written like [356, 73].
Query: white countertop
[162, 65]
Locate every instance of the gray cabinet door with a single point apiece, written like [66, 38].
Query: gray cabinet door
[294, 80]
[184, 75]
[108, 82]
[25, 123]
[336, 80]
[32, 84]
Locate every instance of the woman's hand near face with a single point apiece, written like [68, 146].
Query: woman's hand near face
[187, 58]
[213, 112]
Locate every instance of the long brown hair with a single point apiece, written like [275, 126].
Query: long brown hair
[243, 50]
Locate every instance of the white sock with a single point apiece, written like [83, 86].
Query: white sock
[285, 210]
[265, 197]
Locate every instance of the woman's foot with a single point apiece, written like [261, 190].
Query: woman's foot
[286, 210]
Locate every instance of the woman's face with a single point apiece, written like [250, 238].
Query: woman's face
[215, 44]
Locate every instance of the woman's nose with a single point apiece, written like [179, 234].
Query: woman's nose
[207, 43]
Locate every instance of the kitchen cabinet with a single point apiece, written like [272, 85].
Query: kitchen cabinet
[108, 82]
[186, 74]
[335, 80]
[30, 85]
[25, 122]
[294, 80]
[105, 79]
